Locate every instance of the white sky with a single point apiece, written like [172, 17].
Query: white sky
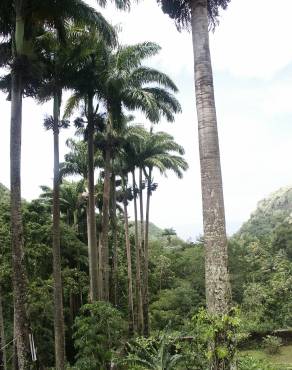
[252, 63]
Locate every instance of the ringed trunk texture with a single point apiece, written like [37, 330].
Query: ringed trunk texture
[216, 259]
[105, 222]
[19, 278]
[113, 218]
[91, 220]
[142, 249]
[129, 269]
[139, 298]
[2, 337]
[57, 269]
[146, 252]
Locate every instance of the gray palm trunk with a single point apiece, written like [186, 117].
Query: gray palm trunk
[129, 270]
[113, 218]
[105, 219]
[146, 252]
[19, 278]
[91, 219]
[58, 291]
[216, 258]
[3, 365]
[139, 298]
[144, 262]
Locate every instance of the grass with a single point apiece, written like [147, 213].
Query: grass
[283, 359]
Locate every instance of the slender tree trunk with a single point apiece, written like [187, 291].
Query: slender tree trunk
[140, 320]
[146, 252]
[113, 217]
[105, 220]
[218, 294]
[216, 260]
[3, 365]
[57, 269]
[100, 265]
[18, 263]
[129, 269]
[91, 218]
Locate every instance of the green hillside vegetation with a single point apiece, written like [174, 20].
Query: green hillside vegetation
[261, 273]
[270, 213]
[4, 194]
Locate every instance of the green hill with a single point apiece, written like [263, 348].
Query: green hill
[270, 213]
[4, 193]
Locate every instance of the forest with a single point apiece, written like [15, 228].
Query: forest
[87, 281]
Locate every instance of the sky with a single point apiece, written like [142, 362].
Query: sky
[252, 65]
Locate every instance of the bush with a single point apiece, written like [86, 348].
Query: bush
[249, 363]
[97, 334]
[272, 344]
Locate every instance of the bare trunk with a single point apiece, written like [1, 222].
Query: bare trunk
[105, 221]
[58, 292]
[2, 337]
[218, 292]
[100, 265]
[216, 261]
[91, 219]
[129, 269]
[146, 252]
[113, 217]
[140, 320]
[18, 263]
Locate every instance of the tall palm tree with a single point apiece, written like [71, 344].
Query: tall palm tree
[127, 84]
[25, 18]
[198, 15]
[61, 58]
[117, 80]
[126, 193]
[156, 150]
[76, 163]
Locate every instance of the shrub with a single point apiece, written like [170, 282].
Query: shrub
[249, 363]
[272, 344]
[97, 333]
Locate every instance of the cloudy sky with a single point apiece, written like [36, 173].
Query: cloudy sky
[252, 63]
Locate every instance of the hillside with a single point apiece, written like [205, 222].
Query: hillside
[270, 213]
[4, 193]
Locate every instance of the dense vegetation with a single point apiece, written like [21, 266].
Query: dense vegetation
[260, 273]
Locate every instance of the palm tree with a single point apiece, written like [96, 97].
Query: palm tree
[25, 18]
[159, 150]
[61, 59]
[126, 194]
[118, 80]
[127, 85]
[76, 163]
[124, 164]
[197, 15]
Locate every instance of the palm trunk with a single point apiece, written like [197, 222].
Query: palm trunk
[95, 289]
[105, 221]
[2, 337]
[216, 258]
[129, 269]
[140, 320]
[58, 292]
[113, 217]
[19, 278]
[146, 282]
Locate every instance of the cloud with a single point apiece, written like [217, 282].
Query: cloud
[253, 38]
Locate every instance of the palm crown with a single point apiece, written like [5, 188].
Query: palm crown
[180, 10]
